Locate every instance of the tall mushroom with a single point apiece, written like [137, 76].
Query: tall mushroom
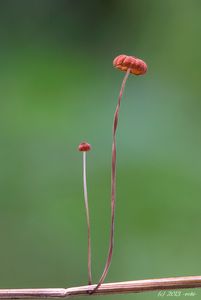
[130, 65]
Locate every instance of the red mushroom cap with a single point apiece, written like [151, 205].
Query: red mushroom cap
[84, 147]
[124, 62]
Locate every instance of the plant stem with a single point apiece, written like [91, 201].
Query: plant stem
[87, 216]
[113, 184]
[125, 287]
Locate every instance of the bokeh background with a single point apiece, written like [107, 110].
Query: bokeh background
[58, 88]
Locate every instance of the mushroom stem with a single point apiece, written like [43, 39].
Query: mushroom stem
[113, 185]
[87, 217]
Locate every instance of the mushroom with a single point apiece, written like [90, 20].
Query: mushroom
[130, 65]
[84, 147]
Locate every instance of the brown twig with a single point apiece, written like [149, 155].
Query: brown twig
[125, 287]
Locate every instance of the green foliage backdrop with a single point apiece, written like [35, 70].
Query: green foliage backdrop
[57, 88]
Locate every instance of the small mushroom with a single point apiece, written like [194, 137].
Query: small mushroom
[85, 147]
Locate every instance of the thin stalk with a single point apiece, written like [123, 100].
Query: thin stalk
[87, 217]
[137, 286]
[113, 184]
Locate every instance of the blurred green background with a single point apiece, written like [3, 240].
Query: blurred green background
[58, 88]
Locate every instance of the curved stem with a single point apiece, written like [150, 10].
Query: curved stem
[113, 185]
[87, 216]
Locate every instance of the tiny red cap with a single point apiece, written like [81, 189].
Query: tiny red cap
[124, 62]
[84, 147]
